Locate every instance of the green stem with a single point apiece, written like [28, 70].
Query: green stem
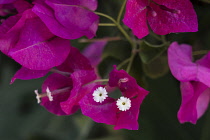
[100, 80]
[121, 12]
[95, 81]
[83, 40]
[106, 16]
[155, 36]
[106, 24]
[133, 54]
[156, 46]
[200, 52]
[118, 26]
[123, 63]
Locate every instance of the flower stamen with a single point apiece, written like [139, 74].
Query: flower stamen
[100, 94]
[49, 94]
[37, 96]
[123, 103]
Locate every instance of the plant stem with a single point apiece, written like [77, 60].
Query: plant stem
[60, 72]
[200, 52]
[123, 63]
[106, 16]
[98, 80]
[118, 26]
[83, 40]
[133, 54]
[106, 24]
[121, 11]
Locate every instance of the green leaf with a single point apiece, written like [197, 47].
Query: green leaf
[157, 67]
[149, 52]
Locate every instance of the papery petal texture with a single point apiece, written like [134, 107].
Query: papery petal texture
[194, 78]
[68, 19]
[122, 80]
[178, 16]
[203, 74]
[135, 17]
[28, 41]
[104, 112]
[180, 62]
[75, 61]
[54, 82]
[79, 90]
[163, 16]
[37, 48]
[193, 102]
[27, 74]
[129, 119]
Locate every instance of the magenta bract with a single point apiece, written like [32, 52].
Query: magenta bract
[69, 19]
[54, 82]
[81, 74]
[163, 16]
[107, 111]
[27, 74]
[26, 39]
[194, 77]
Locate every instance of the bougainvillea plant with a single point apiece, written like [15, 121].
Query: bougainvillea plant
[40, 35]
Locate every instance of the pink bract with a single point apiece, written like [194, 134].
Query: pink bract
[27, 74]
[194, 77]
[107, 111]
[81, 73]
[69, 19]
[163, 16]
[26, 39]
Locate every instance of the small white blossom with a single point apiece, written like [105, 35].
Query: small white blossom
[100, 94]
[37, 96]
[123, 103]
[49, 94]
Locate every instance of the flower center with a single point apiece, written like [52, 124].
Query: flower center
[100, 94]
[123, 103]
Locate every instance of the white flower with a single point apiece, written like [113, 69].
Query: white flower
[37, 96]
[49, 94]
[100, 94]
[123, 103]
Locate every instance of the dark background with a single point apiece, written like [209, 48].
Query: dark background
[21, 118]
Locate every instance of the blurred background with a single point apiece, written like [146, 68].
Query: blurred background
[21, 118]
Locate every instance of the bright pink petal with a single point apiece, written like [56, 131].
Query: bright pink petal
[105, 112]
[126, 83]
[203, 103]
[180, 62]
[135, 17]
[203, 73]
[180, 16]
[67, 21]
[79, 78]
[75, 61]
[90, 4]
[8, 39]
[192, 100]
[37, 48]
[129, 119]
[54, 82]
[27, 74]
